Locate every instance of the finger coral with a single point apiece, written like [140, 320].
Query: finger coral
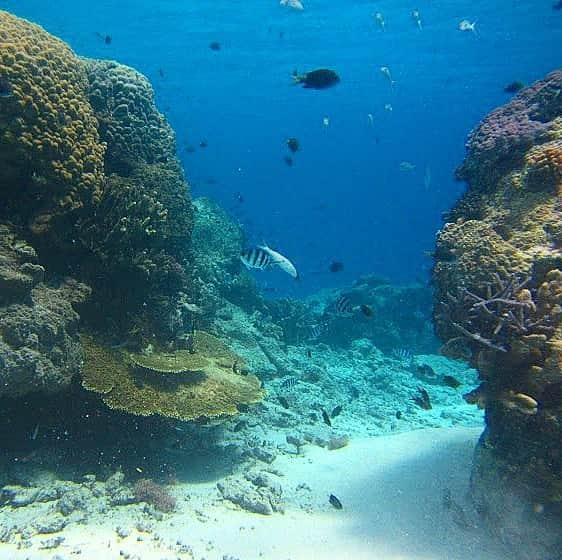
[51, 152]
[203, 382]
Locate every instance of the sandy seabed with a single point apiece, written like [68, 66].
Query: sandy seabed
[391, 488]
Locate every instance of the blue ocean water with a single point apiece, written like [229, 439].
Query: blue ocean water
[345, 197]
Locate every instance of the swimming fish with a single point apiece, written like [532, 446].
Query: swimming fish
[379, 18]
[288, 160]
[466, 25]
[385, 71]
[370, 119]
[422, 399]
[388, 107]
[342, 305]
[262, 256]
[417, 18]
[326, 418]
[289, 383]
[283, 402]
[321, 78]
[105, 38]
[557, 6]
[281, 261]
[367, 310]
[316, 330]
[215, 46]
[294, 4]
[515, 86]
[335, 266]
[337, 411]
[5, 87]
[407, 166]
[326, 122]
[293, 144]
[335, 502]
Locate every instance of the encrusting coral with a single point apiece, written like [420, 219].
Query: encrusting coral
[50, 150]
[498, 302]
[205, 381]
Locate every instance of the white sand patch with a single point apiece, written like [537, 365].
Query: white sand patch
[391, 488]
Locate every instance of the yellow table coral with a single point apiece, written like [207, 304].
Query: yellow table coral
[185, 385]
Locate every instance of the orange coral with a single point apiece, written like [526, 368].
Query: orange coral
[48, 131]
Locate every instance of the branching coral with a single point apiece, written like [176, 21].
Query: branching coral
[49, 142]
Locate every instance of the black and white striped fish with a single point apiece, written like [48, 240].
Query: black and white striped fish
[255, 257]
[289, 383]
[343, 306]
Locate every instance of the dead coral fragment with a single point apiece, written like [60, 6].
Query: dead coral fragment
[146, 490]
[200, 384]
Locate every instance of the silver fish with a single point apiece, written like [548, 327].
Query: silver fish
[281, 261]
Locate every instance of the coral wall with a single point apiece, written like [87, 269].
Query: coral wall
[498, 303]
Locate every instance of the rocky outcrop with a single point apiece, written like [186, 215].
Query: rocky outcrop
[498, 303]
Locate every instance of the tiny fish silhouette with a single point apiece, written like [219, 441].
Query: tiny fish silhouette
[337, 411]
[335, 502]
[326, 418]
[283, 402]
[451, 381]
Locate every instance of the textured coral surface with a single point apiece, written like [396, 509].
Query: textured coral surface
[49, 141]
[498, 302]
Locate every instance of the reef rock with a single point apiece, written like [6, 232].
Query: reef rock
[39, 346]
[498, 303]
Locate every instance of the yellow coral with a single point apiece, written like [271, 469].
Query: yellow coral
[544, 166]
[47, 126]
[206, 383]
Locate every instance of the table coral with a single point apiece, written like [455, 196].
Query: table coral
[202, 383]
[134, 130]
[48, 132]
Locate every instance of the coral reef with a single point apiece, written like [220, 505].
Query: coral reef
[129, 123]
[498, 303]
[51, 156]
[206, 381]
[39, 346]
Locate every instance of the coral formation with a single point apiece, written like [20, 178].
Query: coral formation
[129, 123]
[146, 490]
[203, 382]
[39, 347]
[498, 302]
[51, 153]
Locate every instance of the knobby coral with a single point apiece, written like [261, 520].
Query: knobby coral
[50, 150]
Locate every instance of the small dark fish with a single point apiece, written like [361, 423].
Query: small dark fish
[203, 143]
[422, 399]
[308, 353]
[426, 370]
[5, 87]
[107, 39]
[326, 418]
[283, 402]
[161, 72]
[317, 79]
[289, 383]
[256, 257]
[281, 34]
[343, 306]
[334, 501]
[366, 310]
[288, 160]
[293, 144]
[514, 87]
[557, 6]
[337, 411]
[451, 381]
[398, 415]
[240, 426]
[335, 266]
[215, 46]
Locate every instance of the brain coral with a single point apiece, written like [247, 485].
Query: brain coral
[130, 124]
[49, 143]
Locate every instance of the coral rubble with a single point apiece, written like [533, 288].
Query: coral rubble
[498, 302]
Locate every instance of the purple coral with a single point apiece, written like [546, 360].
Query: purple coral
[508, 131]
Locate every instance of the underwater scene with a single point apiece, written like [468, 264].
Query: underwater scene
[281, 280]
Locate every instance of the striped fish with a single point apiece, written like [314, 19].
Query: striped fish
[289, 383]
[343, 306]
[256, 257]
